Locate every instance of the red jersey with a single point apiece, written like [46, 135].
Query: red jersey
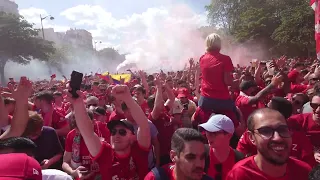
[124, 167]
[166, 130]
[145, 108]
[116, 116]
[85, 159]
[226, 165]
[248, 170]
[213, 65]
[58, 120]
[242, 102]
[306, 123]
[302, 148]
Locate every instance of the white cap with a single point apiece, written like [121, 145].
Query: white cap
[217, 123]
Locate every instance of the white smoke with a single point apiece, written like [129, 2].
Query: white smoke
[170, 40]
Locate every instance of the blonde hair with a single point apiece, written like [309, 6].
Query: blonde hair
[213, 42]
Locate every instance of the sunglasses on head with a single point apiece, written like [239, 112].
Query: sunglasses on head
[122, 132]
[314, 105]
[268, 132]
[94, 105]
[296, 101]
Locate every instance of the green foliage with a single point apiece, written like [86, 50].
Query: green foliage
[282, 26]
[19, 42]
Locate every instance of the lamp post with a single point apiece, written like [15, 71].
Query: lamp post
[43, 18]
[95, 44]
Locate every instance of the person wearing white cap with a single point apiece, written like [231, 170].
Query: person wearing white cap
[219, 130]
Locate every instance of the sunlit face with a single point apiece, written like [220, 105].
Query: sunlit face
[276, 149]
[58, 99]
[315, 104]
[121, 138]
[139, 95]
[218, 139]
[190, 162]
[297, 102]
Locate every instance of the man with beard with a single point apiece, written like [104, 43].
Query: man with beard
[269, 132]
[188, 157]
[249, 100]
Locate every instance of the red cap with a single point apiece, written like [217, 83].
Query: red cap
[183, 92]
[19, 166]
[293, 75]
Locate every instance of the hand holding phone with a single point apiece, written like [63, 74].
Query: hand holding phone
[75, 83]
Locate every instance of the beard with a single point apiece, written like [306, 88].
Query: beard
[273, 160]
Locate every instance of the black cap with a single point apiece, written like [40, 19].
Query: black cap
[245, 85]
[123, 122]
[100, 111]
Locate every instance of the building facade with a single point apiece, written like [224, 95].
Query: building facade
[9, 6]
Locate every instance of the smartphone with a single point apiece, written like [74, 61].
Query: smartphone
[75, 83]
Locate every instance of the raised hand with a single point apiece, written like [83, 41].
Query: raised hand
[23, 91]
[121, 92]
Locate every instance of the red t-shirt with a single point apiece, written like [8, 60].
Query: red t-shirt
[242, 102]
[306, 123]
[213, 66]
[86, 160]
[102, 131]
[248, 170]
[145, 108]
[298, 88]
[166, 130]
[302, 148]
[124, 167]
[226, 165]
[116, 116]
[58, 120]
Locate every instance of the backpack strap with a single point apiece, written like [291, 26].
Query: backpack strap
[159, 173]
[207, 160]
[238, 155]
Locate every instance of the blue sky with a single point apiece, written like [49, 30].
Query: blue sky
[110, 21]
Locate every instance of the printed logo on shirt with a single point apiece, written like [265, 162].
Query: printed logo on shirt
[294, 147]
[35, 172]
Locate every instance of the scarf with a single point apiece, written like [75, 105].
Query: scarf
[75, 154]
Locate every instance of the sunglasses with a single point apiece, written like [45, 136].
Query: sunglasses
[315, 79]
[268, 132]
[314, 105]
[94, 105]
[122, 132]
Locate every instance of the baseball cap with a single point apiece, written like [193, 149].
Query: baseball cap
[183, 92]
[123, 122]
[99, 111]
[217, 123]
[19, 166]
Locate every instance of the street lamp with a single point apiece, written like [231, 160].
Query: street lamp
[43, 18]
[95, 44]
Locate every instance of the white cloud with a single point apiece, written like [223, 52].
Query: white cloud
[32, 15]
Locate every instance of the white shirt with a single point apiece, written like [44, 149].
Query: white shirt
[54, 174]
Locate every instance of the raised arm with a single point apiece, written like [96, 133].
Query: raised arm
[20, 115]
[122, 92]
[158, 104]
[85, 125]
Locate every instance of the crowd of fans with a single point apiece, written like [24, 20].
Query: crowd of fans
[213, 120]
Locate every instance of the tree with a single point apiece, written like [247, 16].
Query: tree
[281, 26]
[19, 42]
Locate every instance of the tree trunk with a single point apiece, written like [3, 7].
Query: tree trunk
[2, 65]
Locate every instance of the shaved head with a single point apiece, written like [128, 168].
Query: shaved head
[259, 113]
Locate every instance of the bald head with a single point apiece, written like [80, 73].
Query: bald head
[263, 114]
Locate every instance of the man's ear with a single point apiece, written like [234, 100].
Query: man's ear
[251, 137]
[173, 156]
